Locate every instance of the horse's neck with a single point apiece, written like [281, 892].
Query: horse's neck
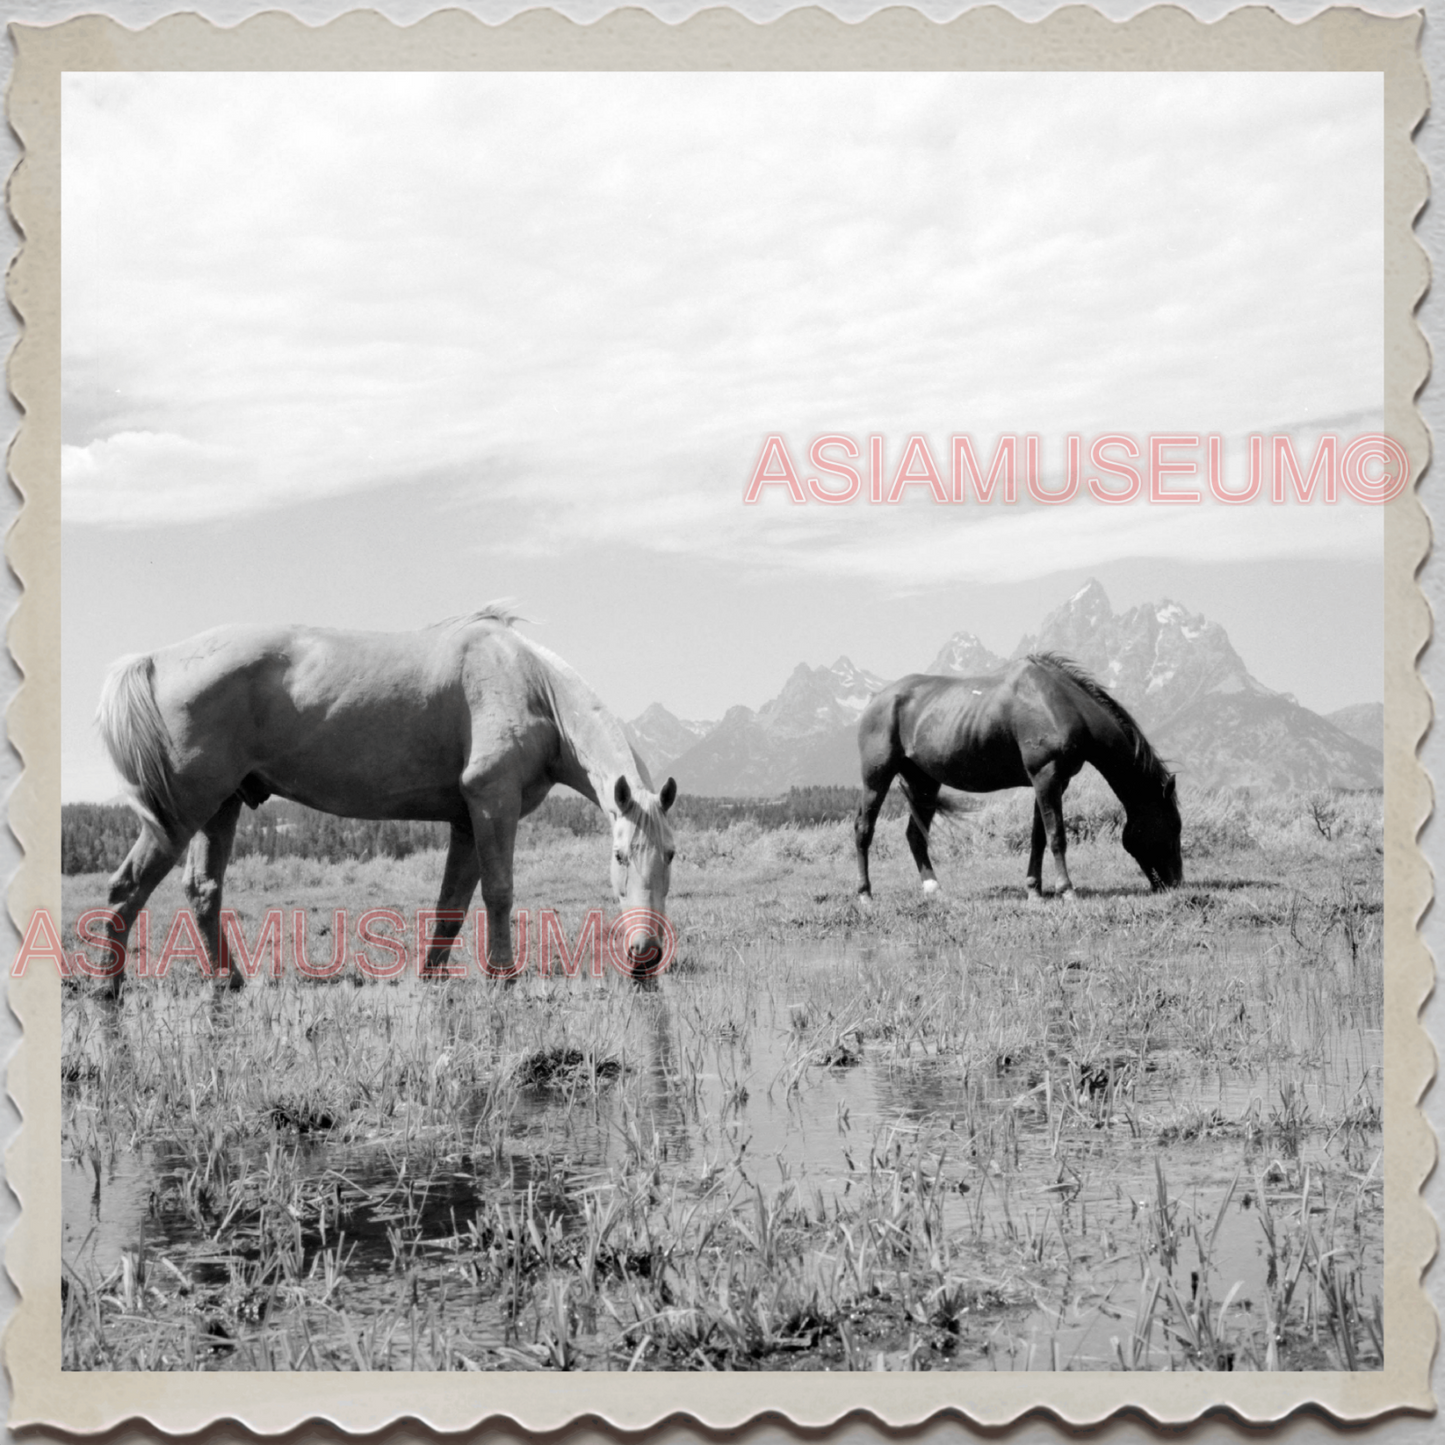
[594, 747]
[1114, 755]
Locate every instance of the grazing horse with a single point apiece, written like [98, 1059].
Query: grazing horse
[1033, 725]
[466, 723]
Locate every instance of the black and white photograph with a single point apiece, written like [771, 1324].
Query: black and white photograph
[722, 721]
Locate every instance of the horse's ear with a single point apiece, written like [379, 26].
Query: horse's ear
[668, 796]
[1171, 787]
[622, 793]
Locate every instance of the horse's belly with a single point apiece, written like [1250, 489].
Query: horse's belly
[368, 798]
[982, 774]
[976, 766]
[401, 774]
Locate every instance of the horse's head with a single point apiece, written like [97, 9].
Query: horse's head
[1151, 836]
[642, 865]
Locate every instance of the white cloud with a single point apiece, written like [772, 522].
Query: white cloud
[139, 474]
[595, 294]
[1008, 545]
[688, 502]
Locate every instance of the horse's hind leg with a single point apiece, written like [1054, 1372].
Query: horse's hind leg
[875, 789]
[202, 880]
[1049, 784]
[922, 794]
[148, 861]
[459, 882]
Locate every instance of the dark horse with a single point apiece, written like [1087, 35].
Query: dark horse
[1034, 725]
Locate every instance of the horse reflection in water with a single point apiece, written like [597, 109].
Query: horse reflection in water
[1034, 725]
[466, 723]
[659, 1096]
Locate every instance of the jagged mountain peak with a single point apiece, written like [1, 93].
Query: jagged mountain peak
[963, 655]
[1091, 597]
[1157, 658]
[815, 699]
[853, 677]
[1174, 669]
[659, 737]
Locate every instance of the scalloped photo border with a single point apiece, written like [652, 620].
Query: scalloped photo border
[1076, 38]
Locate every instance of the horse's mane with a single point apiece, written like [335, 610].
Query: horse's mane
[1144, 755]
[503, 610]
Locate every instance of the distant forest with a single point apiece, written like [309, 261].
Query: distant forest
[95, 837]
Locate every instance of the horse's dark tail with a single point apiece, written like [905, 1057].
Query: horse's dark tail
[139, 743]
[944, 804]
[950, 803]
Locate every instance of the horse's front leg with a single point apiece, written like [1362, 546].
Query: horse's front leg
[494, 813]
[459, 881]
[1034, 883]
[1049, 788]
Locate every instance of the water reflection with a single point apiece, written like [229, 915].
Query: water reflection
[752, 1080]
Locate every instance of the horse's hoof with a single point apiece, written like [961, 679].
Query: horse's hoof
[1068, 895]
[865, 902]
[1033, 895]
[930, 887]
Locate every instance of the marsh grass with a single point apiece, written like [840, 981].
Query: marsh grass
[1139, 1131]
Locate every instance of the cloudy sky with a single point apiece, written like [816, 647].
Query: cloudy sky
[371, 350]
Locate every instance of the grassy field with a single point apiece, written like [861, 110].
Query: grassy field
[1136, 1131]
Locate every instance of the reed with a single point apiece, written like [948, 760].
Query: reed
[1138, 1132]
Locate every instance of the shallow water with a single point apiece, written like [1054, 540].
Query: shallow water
[754, 1083]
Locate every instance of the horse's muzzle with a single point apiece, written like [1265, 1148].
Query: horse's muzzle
[644, 957]
[646, 943]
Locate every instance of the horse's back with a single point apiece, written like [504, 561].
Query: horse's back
[998, 730]
[361, 723]
[960, 731]
[332, 662]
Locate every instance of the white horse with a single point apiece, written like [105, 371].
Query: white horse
[466, 723]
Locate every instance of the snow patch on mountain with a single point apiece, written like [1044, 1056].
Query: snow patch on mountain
[963, 655]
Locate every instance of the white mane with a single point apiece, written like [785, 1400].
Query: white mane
[503, 610]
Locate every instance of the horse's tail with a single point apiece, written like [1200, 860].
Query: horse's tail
[139, 743]
[945, 805]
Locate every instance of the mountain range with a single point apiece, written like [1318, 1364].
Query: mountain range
[1174, 670]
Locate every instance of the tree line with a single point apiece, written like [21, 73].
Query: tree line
[95, 837]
